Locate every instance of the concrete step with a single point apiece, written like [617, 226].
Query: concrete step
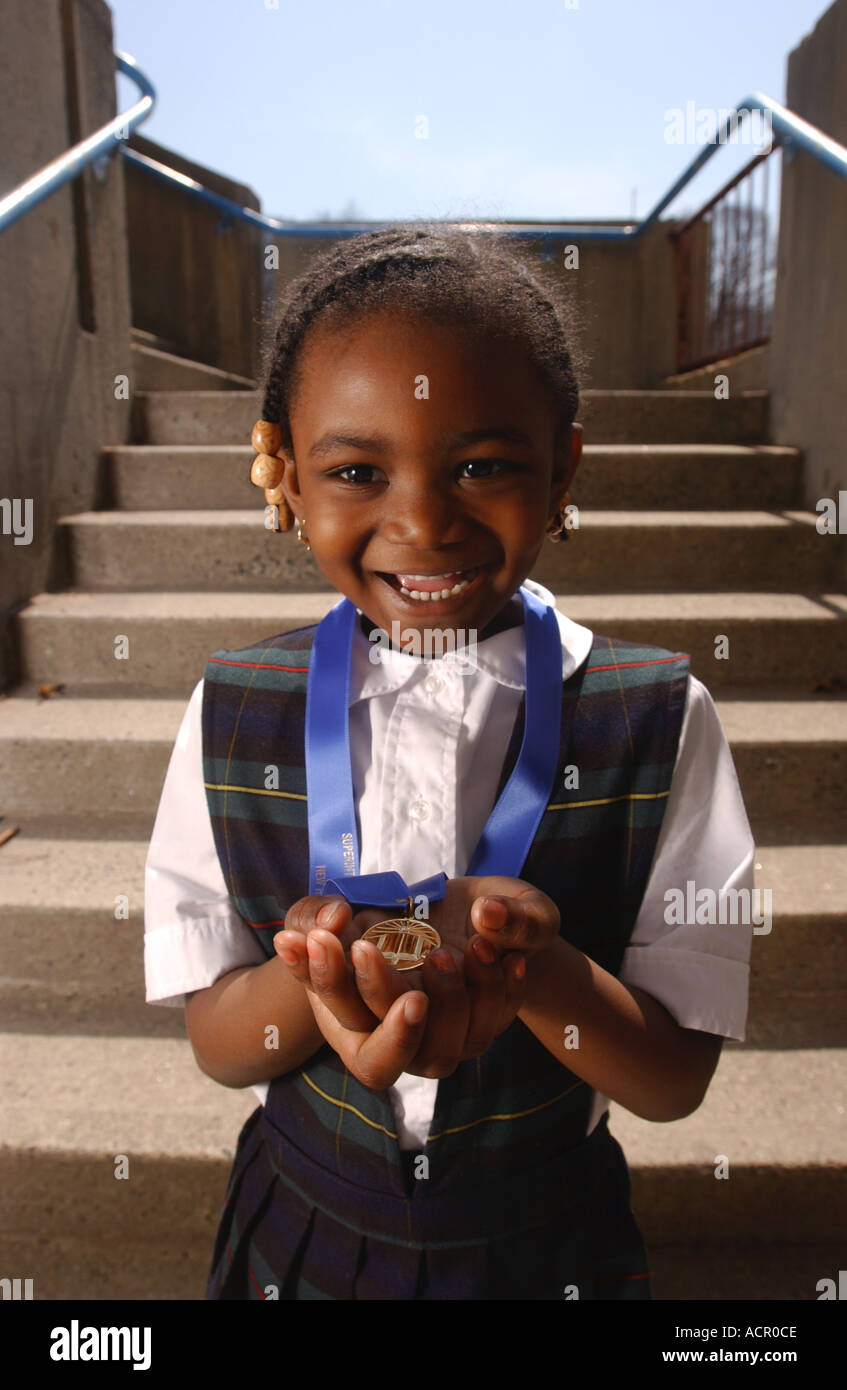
[791, 758]
[72, 758]
[87, 975]
[609, 417]
[674, 417]
[612, 477]
[798, 972]
[156, 370]
[774, 1116]
[70, 637]
[145, 1099]
[613, 552]
[789, 753]
[73, 1105]
[82, 756]
[737, 1272]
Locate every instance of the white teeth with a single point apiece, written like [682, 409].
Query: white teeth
[437, 593]
[426, 594]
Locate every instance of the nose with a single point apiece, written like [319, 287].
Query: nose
[423, 516]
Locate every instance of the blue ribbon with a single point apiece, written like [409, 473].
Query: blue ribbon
[387, 890]
[510, 831]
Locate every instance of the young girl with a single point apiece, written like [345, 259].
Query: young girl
[434, 1126]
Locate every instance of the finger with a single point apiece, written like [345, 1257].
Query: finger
[331, 980]
[485, 980]
[290, 946]
[391, 1048]
[449, 1013]
[366, 917]
[526, 922]
[333, 913]
[378, 1056]
[378, 983]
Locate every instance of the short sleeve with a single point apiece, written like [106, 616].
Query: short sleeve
[700, 970]
[192, 932]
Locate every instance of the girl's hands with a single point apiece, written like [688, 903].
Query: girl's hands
[507, 912]
[458, 1001]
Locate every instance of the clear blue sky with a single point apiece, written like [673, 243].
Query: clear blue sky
[535, 109]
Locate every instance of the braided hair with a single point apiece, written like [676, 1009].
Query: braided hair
[451, 275]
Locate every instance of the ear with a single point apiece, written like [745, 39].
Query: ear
[290, 482]
[565, 465]
[576, 452]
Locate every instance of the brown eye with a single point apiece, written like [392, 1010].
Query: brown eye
[486, 468]
[358, 469]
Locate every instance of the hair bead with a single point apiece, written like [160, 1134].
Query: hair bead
[266, 437]
[267, 471]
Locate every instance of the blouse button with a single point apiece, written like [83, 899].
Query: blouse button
[433, 684]
[419, 809]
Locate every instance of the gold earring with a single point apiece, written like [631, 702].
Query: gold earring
[557, 528]
[301, 534]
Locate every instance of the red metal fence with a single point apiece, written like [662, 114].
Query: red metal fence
[726, 268]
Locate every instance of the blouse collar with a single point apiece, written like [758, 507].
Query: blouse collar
[501, 657]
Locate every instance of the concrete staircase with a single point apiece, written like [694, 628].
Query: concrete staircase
[698, 532]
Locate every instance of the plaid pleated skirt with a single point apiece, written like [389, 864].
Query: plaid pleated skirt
[293, 1229]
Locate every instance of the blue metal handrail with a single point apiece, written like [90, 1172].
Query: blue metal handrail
[792, 133]
[102, 144]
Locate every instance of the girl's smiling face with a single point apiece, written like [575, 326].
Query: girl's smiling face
[452, 478]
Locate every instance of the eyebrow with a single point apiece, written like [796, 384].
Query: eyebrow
[381, 444]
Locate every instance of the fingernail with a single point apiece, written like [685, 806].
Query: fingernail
[327, 913]
[415, 1008]
[520, 968]
[317, 952]
[494, 914]
[484, 950]
[443, 961]
[288, 956]
[360, 960]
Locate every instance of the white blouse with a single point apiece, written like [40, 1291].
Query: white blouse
[428, 740]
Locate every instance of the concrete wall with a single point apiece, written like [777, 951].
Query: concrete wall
[195, 275]
[808, 350]
[64, 293]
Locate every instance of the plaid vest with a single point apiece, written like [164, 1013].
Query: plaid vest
[510, 1113]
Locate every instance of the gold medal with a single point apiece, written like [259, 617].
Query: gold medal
[403, 942]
